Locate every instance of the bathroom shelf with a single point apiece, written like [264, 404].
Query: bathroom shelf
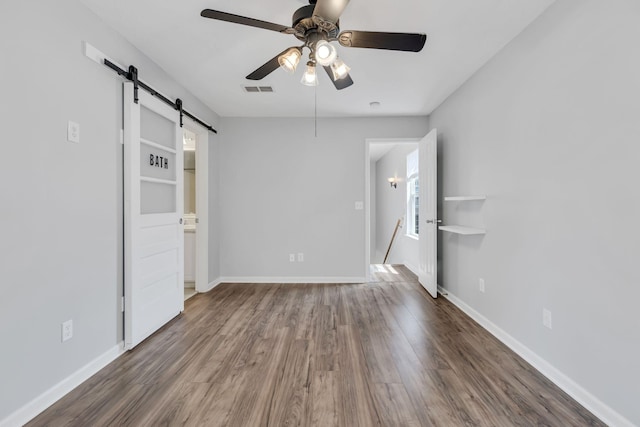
[460, 229]
[463, 198]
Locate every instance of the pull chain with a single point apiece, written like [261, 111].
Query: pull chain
[315, 112]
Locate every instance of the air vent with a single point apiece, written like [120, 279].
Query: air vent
[257, 89]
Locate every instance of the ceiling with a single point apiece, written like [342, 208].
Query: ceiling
[377, 151]
[211, 58]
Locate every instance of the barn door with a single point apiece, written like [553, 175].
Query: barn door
[154, 233]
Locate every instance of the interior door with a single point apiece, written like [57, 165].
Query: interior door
[154, 233]
[428, 229]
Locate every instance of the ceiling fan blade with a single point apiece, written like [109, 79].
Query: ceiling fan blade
[408, 42]
[340, 83]
[237, 19]
[269, 67]
[330, 10]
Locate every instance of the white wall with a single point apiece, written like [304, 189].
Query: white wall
[392, 205]
[549, 131]
[61, 247]
[284, 191]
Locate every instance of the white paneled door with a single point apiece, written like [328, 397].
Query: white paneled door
[428, 229]
[154, 233]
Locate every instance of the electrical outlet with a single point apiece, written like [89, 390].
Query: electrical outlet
[73, 132]
[292, 257]
[300, 257]
[67, 330]
[481, 285]
[546, 318]
[359, 205]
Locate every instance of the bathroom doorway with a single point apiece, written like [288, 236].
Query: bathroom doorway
[196, 207]
[190, 213]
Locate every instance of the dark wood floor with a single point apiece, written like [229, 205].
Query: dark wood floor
[376, 354]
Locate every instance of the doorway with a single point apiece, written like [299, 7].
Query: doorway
[153, 158]
[196, 207]
[386, 205]
[190, 223]
[400, 203]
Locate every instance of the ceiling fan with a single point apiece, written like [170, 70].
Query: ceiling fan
[317, 25]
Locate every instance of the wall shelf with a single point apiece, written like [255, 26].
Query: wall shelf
[463, 198]
[460, 229]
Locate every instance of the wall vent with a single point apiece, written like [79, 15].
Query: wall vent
[257, 89]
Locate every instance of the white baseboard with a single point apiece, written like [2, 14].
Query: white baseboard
[411, 267]
[55, 393]
[304, 279]
[211, 285]
[573, 389]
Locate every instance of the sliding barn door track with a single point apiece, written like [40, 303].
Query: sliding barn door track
[132, 75]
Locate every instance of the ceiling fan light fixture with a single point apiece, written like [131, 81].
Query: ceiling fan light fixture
[339, 69]
[325, 53]
[317, 26]
[309, 78]
[289, 60]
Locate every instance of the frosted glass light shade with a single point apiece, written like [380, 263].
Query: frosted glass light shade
[309, 78]
[339, 69]
[289, 60]
[325, 53]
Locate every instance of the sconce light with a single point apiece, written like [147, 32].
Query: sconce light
[393, 181]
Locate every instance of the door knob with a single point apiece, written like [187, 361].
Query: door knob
[431, 221]
[180, 221]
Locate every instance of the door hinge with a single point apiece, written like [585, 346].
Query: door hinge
[122, 304]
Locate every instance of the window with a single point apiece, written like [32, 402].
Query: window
[413, 195]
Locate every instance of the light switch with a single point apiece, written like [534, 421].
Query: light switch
[73, 132]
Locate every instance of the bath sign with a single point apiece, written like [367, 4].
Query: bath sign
[158, 161]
